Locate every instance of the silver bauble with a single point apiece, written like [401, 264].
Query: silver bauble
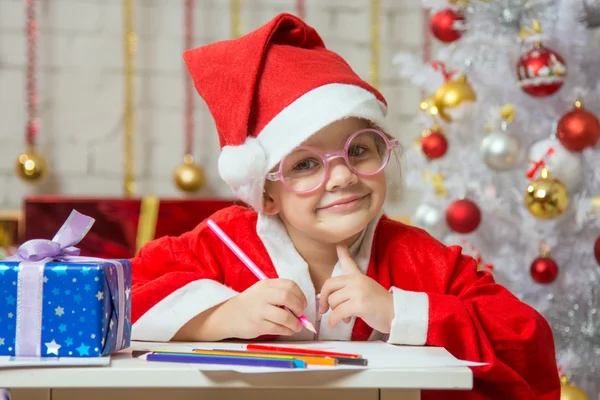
[431, 219]
[501, 151]
[591, 13]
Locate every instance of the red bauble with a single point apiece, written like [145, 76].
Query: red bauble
[597, 250]
[463, 216]
[541, 72]
[578, 129]
[434, 145]
[447, 25]
[544, 270]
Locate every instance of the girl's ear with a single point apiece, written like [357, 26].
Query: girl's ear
[269, 205]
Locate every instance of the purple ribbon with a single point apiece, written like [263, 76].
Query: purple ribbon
[33, 256]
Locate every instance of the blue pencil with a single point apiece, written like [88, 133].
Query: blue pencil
[222, 360]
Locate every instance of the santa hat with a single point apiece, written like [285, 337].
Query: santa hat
[269, 91]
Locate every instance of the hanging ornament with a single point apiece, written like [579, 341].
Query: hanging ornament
[591, 13]
[434, 143]
[541, 71]
[455, 92]
[189, 176]
[545, 197]
[463, 216]
[129, 102]
[563, 165]
[374, 44]
[428, 105]
[235, 12]
[544, 269]
[500, 150]
[571, 392]
[31, 165]
[578, 129]
[447, 25]
[597, 250]
[431, 219]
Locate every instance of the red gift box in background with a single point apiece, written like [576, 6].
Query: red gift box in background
[120, 223]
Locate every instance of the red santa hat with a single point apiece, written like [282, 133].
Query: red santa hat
[269, 91]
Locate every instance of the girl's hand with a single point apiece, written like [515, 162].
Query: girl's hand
[356, 295]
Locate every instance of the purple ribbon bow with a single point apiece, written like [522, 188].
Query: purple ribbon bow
[33, 256]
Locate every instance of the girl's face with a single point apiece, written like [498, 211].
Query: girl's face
[345, 202]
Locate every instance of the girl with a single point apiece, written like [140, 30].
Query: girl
[303, 143]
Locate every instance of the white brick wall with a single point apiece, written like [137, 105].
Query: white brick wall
[80, 85]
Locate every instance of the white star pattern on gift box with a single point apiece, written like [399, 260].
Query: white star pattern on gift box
[52, 347]
[100, 295]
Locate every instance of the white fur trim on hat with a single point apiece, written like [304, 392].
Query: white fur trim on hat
[243, 167]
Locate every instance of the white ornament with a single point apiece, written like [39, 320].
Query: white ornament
[501, 151]
[562, 164]
[431, 219]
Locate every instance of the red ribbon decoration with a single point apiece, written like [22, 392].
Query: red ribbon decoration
[539, 164]
[441, 67]
[32, 97]
[189, 87]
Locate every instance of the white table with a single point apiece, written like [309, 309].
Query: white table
[127, 375]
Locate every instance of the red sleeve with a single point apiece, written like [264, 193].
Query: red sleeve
[174, 279]
[479, 320]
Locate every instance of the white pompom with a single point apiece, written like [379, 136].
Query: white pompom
[240, 165]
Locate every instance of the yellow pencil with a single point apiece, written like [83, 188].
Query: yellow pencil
[308, 359]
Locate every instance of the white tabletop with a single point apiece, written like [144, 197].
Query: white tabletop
[128, 372]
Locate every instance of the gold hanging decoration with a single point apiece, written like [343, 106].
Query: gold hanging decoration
[375, 43]
[236, 18]
[129, 127]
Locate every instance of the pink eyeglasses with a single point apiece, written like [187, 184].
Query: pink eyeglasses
[305, 169]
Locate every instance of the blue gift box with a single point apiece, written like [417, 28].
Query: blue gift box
[79, 309]
[55, 303]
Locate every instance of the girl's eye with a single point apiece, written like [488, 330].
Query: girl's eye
[355, 151]
[305, 165]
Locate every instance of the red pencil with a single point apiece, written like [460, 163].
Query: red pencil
[295, 350]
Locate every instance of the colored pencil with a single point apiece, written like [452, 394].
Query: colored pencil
[296, 350]
[220, 360]
[297, 362]
[250, 264]
[339, 360]
[310, 360]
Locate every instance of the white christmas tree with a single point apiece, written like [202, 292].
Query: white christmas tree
[509, 158]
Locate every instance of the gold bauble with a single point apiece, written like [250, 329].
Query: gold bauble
[189, 176]
[31, 166]
[452, 94]
[571, 392]
[428, 105]
[546, 198]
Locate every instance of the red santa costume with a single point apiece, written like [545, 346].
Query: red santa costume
[268, 92]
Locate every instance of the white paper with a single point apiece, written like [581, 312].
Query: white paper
[15, 362]
[380, 355]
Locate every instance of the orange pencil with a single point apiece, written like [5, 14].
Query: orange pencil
[308, 359]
